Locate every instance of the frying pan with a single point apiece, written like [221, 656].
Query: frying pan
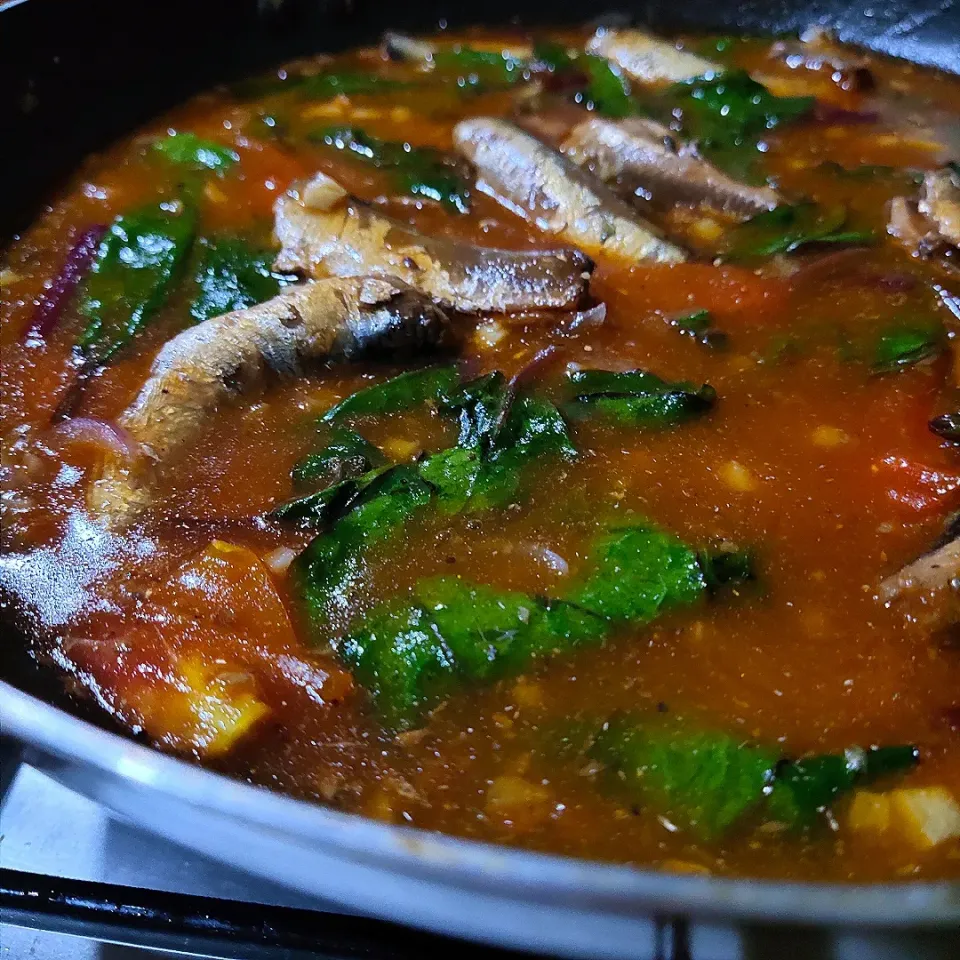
[74, 75]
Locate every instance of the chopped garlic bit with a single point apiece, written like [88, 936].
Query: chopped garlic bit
[490, 333]
[322, 192]
[519, 802]
[707, 229]
[8, 276]
[926, 816]
[278, 561]
[401, 449]
[827, 436]
[329, 108]
[213, 193]
[737, 477]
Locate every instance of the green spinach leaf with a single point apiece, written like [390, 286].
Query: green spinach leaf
[708, 781]
[188, 150]
[417, 171]
[496, 445]
[321, 509]
[326, 86]
[805, 788]
[404, 392]
[138, 264]
[788, 228]
[326, 573]
[607, 90]
[479, 68]
[554, 56]
[637, 398]
[731, 109]
[700, 781]
[347, 456]
[902, 344]
[635, 572]
[409, 655]
[698, 325]
[232, 275]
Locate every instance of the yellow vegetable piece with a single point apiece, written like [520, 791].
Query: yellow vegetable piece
[869, 811]
[206, 710]
[927, 815]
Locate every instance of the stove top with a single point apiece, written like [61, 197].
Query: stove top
[76, 884]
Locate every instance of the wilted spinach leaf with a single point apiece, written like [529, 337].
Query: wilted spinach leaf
[232, 275]
[636, 398]
[417, 171]
[188, 150]
[403, 392]
[788, 228]
[346, 456]
[139, 262]
[904, 343]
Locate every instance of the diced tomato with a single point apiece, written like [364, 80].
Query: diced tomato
[916, 488]
[249, 190]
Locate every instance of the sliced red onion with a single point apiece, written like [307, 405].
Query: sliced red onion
[593, 316]
[278, 561]
[50, 306]
[100, 433]
[896, 282]
[824, 263]
[828, 114]
[532, 367]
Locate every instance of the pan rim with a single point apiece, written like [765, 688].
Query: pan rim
[536, 877]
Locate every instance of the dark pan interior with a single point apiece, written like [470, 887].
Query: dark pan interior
[77, 73]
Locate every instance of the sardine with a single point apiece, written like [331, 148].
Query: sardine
[353, 238]
[644, 153]
[816, 51]
[541, 185]
[940, 201]
[928, 586]
[929, 226]
[223, 358]
[647, 58]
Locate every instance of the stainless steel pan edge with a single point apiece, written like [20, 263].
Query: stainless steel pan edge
[455, 886]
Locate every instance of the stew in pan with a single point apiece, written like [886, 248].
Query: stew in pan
[546, 438]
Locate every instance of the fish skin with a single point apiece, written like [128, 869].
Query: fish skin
[544, 187]
[645, 152]
[222, 358]
[931, 572]
[353, 238]
[929, 224]
[647, 58]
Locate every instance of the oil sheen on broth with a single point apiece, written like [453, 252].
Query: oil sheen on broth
[546, 439]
